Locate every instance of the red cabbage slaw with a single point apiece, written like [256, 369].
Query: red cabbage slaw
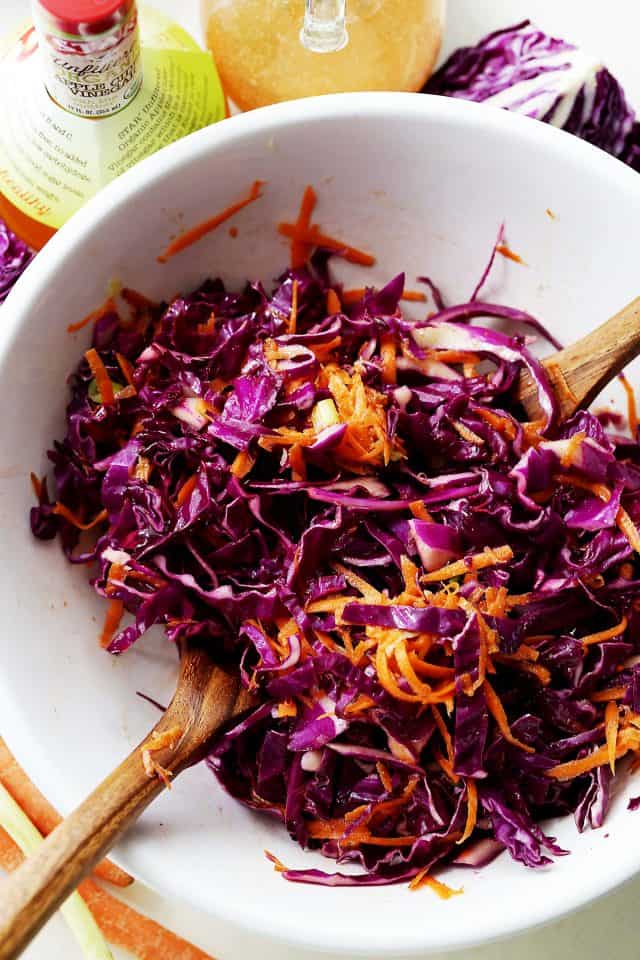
[435, 601]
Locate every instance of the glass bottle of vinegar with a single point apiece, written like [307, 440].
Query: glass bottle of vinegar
[385, 45]
[94, 88]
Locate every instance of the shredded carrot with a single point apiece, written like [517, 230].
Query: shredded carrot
[507, 252]
[479, 561]
[446, 736]
[132, 931]
[467, 434]
[286, 708]
[417, 881]
[432, 670]
[388, 358]
[208, 326]
[350, 297]
[385, 776]
[535, 669]
[196, 233]
[233, 232]
[109, 306]
[41, 813]
[628, 739]
[357, 294]
[443, 890]
[241, 466]
[499, 422]
[299, 248]
[37, 485]
[613, 693]
[115, 611]
[497, 711]
[103, 381]
[70, 517]
[278, 865]
[472, 810]
[419, 511]
[293, 316]
[559, 381]
[117, 574]
[340, 830]
[159, 740]
[186, 490]
[126, 367]
[333, 302]
[410, 576]
[388, 681]
[603, 635]
[313, 237]
[136, 299]
[632, 410]
[597, 489]
[611, 722]
[361, 703]
[628, 527]
[297, 462]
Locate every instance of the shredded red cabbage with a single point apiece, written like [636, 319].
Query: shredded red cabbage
[15, 257]
[435, 602]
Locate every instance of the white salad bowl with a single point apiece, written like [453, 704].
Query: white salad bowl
[424, 183]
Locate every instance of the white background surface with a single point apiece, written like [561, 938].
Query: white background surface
[611, 926]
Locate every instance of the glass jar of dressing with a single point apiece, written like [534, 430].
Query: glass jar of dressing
[272, 50]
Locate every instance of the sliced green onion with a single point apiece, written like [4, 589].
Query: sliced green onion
[74, 910]
[324, 414]
[94, 393]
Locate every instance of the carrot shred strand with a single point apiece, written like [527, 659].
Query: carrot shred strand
[109, 306]
[497, 711]
[611, 721]
[632, 409]
[103, 381]
[333, 302]
[299, 248]
[115, 612]
[189, 237]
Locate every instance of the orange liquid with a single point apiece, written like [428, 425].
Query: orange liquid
[393, 45]
[31, 231]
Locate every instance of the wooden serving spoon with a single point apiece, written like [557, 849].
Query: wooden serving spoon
[579, 372]
[206, 697]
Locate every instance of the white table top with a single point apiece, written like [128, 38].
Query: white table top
[611, 926]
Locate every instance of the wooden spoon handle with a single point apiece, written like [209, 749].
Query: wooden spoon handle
[207, 696]
[588, 365]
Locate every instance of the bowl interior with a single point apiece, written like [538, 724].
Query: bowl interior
[424, 184]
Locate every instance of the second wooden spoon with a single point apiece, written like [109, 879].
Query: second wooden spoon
[207, 696]
[579, 372]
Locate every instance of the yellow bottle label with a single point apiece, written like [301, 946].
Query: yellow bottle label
[52, 162]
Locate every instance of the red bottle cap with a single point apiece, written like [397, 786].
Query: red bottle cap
[82, 17]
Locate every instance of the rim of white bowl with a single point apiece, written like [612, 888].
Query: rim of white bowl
[269, 119]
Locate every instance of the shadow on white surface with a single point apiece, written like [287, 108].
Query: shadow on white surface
[607, 928]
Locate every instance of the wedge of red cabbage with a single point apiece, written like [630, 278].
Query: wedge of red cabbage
[523, 69]
[434, 602]
[15, 257]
